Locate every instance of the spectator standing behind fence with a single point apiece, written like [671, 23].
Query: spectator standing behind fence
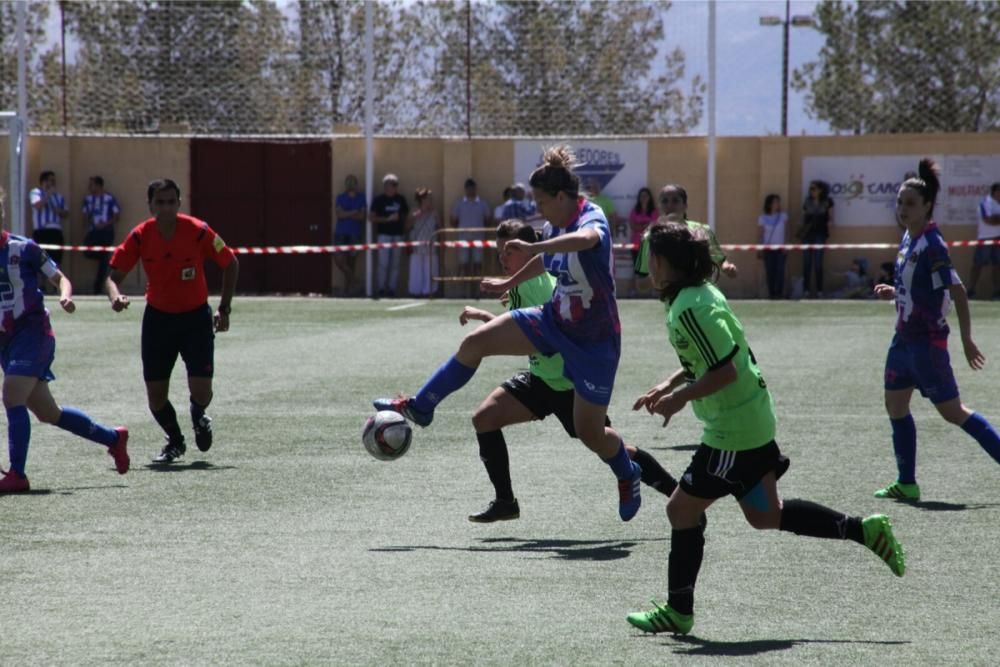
[772, 232]
[498, 212]
[522, 207]
[642, 215]
[48, 212]
[424, 259]
[470, 212]
[817, 218]
[100, 211]
[988, 255]
[388, 213]
[350, 208]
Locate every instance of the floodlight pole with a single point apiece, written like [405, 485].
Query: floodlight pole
[786, 25]
[19, 127]
[369, 136]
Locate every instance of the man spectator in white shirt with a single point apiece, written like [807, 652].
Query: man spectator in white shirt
[987, 255]
[48, 210]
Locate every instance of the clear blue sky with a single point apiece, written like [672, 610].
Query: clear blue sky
[748, 62]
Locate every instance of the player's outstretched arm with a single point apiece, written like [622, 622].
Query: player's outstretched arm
[885, 292]
[648, 400]
[112, 283]
[472, 313]
[534, 268]
[229, 277]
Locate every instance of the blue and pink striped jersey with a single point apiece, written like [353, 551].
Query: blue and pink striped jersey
[20, 261]
[584, 301]
[923, 274]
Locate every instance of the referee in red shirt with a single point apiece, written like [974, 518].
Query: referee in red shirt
[178, 320]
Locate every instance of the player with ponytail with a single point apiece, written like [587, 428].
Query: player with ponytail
[925, 286]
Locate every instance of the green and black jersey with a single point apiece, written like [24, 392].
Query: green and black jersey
[536, 292]
[706, 334]
[642, 259]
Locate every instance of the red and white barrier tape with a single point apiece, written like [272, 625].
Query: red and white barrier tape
[360, 247]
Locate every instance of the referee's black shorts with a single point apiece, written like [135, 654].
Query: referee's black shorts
[542, 400]
[165, 335]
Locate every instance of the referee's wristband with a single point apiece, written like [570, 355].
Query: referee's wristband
[225, 310]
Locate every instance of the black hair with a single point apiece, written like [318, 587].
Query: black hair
[45, 175]
[687, 252]
[161, 184]
[824, 189]
[516, 229]
[98, 181]
[768, 200]
[926, 182]
[650, 205]
[470, 183]
[994, 188]
[507, 192]
[680, 190]
[556, 173]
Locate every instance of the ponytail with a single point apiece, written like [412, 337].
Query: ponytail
[927, 182]
[556, 173]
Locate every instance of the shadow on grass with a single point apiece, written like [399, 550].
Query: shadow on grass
[203, 466]
[593, 550]
[680, 448]
[757, 646]
[941, 506]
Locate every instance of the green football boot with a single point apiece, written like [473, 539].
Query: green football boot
[662, 619]
[900, 491]
[879, 538]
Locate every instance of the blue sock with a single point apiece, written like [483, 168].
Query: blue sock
[904, 443]
[18, 437]
[78, 423]
[621, 464]
[446, 380]
[984, 433]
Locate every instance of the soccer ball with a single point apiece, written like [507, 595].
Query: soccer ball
[387, 435]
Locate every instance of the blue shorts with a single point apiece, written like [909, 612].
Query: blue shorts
[986, 255]
[921, 364]
[591, 367]
[30, 351]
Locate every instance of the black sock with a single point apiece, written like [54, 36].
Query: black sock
[197, 411]
[166, 417]
[804, 517]
[493, 454]
[653, 473]
[687, 548]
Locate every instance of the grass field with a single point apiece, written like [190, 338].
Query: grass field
[287, 544]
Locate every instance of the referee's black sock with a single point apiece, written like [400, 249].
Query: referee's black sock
[804, 517]
[687, 548]
[493, 454]
[653, 473]
[166, 417]
[197, 411]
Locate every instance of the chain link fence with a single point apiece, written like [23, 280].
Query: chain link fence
[475, 68]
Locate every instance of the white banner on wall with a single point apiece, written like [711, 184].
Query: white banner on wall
[619, 166]
[864, 187]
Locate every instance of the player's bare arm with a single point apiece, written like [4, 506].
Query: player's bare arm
[960, 298]
[112, 283]
[229, 277]
[534, 268]
[65, 287]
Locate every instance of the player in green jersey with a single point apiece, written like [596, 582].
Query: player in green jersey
[540, 391]
[673, 208]
[738, 455]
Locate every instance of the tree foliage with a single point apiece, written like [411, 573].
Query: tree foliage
[892, 66]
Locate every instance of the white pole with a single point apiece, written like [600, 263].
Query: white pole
[19, 129]
[369, 133]
[711, 114]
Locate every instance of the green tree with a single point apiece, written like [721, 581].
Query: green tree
[892, 66]
[43, 101]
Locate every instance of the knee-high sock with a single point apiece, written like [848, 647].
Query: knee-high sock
[653, 474]
[449, 378]
[79, 423]
[493, 454]
[687, 548]
[18, 437]
[804, 517]
[620, 463]
[904, 444]
[984, 433]
[166, 417]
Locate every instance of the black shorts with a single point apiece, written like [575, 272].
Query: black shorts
[714, 473]
[542, 400]
[165, 335]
